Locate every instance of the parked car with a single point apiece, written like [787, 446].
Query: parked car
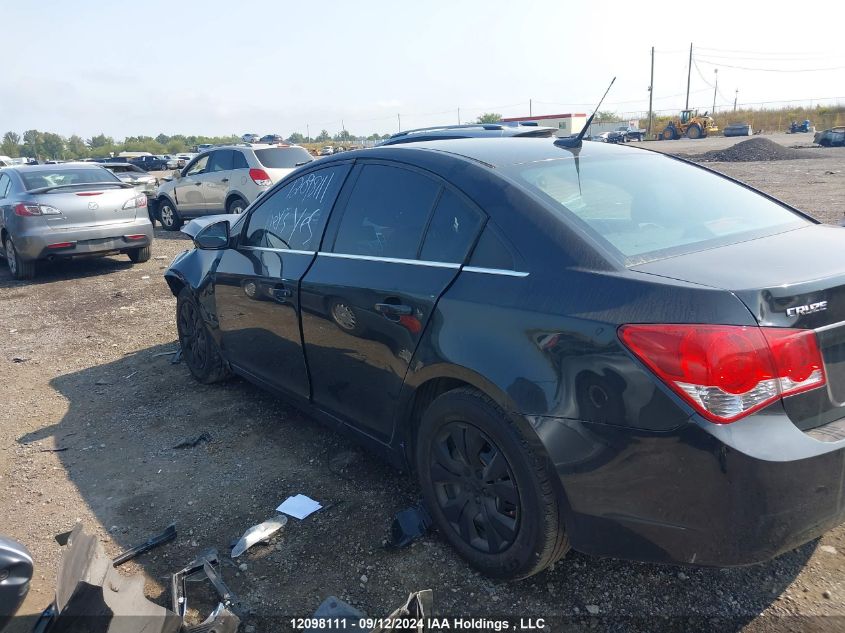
[271, 139]
[224, 180]
[834, 137]
[251, 138]
[67, 211]
[172, 162]
[328, 150]
[595, 347]
[142, 182]
[5, 161]
[630, 133]
[470, 130]
[150, 163]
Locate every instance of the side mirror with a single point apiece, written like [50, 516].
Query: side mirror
[213, 237]
[15, 574]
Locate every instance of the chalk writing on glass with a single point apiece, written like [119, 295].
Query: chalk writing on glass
[295, 226]
[311, 187]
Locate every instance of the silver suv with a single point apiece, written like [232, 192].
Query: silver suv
[224, 180]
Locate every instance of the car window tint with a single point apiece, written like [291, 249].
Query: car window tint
[239, 161]
[198, 167]
[492, 251]
[386, 213]
[283, 157]
[221, 160]
[4, 185]
[452, 230]
[293, 217]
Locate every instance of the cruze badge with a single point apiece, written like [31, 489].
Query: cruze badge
[807, 309]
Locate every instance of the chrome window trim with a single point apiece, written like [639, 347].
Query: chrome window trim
[495, 271]
[392, 260]
[277, 250]
[830, 326]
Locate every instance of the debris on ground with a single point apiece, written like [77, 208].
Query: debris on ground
[417, 608]
[754, 149]
[166, 536]
[409, 525]
[225, 618]
[191, 442]
[299, 506]
[338, 615]
[258, 533]
[19, 359]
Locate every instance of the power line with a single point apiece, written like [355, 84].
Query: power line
[776, 53]
[771, 70]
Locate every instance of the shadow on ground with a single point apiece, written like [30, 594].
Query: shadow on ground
[118, 436]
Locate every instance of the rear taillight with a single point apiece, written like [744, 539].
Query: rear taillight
[24, 209]
[724, 371]
[136, 202]
[260, 177]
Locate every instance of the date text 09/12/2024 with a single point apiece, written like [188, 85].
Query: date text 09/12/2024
[431, 623]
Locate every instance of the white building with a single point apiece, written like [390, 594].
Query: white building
[566, 124]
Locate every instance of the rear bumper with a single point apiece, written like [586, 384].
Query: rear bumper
[84, 241]
[705, 494]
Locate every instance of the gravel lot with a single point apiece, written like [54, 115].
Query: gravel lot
[92, 410]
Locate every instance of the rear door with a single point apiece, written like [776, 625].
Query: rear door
[216, 180]
[188, 189]
[256, 285]
[372, 288]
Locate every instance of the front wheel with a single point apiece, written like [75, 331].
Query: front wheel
[668, 134]
[198, 349]
[19, 268]
[490, 488]
[169, 216]
[694, 132]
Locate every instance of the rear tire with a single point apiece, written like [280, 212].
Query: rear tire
[169, 216]
[236, 206]
[198, 348]
[668, 134]
[694, 132]
[140, 255]
[19, 268]
[490, 489]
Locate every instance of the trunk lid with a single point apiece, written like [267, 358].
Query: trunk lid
[794, 279]
[87, 205]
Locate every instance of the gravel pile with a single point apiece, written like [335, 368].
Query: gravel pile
[754, 149]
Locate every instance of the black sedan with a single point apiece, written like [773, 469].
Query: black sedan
[595, 347]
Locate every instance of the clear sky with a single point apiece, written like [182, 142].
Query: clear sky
[219, 67]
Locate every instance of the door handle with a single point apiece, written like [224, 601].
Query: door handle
[225, 180]
[198, 184]
[394, 309]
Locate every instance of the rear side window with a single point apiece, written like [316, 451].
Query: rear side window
[221, 160]
[452, 230]
[4, 185]
[239, 161]
[492, 252]
[386, 213]
[293, 216]
[283, 157]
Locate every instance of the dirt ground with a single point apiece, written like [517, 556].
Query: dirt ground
[91, 409]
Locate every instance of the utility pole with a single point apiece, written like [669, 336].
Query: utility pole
[651, 93]
[399, 118]
[689, 75]
[307, 133]
[531, 107]
[715, 88]
[459, 116]
[736, 96]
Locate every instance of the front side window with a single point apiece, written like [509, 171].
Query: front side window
[648, 206]
[198, 167]
[221, 160]
[386, 213]
[293, 216]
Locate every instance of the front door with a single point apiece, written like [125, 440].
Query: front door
[371, 290]
[256, 285]
[216, 180]
[188, 188]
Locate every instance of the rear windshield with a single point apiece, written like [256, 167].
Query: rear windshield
[649, 206]
[283, 157]
[124, 168]
[59, 176]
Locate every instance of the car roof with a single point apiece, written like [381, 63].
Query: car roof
[471, 130]
[495, 152]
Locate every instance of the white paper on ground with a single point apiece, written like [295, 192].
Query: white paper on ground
[299, 506]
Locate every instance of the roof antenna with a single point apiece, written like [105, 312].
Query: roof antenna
[575, 141]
